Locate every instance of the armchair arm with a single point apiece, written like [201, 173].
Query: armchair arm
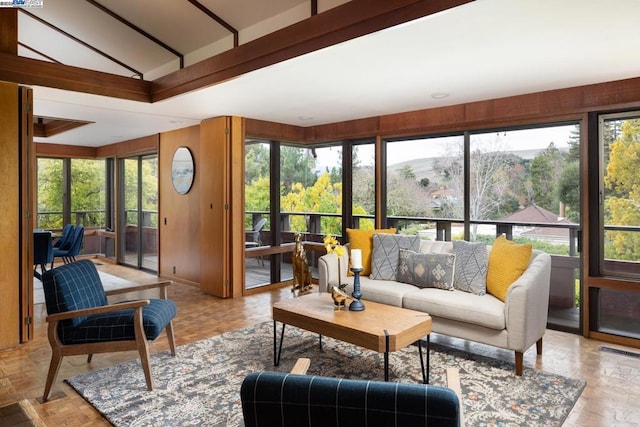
[527, 303]
[162, 285]
[56, 317]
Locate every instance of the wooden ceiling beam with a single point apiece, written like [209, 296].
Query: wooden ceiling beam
[348, 21]
[29, 71]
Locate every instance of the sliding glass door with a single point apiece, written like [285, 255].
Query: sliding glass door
[138, 196]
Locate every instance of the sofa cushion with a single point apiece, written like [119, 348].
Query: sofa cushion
[437, 246]
[431, 270]
[472, 259]
[507, 261]
[363, 240]
[485, 310]
[386, 253]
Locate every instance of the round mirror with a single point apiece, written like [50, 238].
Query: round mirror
[182, 170]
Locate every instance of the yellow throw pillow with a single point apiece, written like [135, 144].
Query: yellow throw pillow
[507, 261]
[363, 240]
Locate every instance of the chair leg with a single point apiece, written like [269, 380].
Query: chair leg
[89, 357]
[143, 348]
[519, 360]
[539, 346]
[54, 367]
[172, 341]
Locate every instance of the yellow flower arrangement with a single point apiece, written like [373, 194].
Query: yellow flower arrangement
[332, 245]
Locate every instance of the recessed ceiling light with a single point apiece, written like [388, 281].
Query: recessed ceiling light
[440, 95]
[305, 118]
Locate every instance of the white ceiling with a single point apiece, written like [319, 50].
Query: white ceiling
[483, 50]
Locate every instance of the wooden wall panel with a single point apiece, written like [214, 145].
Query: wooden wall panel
[214, 207]
[554, 105]
[63, 151]
[10, 224]
[179, 228]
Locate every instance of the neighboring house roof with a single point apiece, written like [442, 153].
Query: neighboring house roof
[535, 214]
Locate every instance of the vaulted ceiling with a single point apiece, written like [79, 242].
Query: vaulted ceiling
[480, 50]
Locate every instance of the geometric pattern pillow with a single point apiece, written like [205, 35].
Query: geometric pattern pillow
[386, 250]
[431, 270]
[472, 260]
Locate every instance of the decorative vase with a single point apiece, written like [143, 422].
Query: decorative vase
[339, 298]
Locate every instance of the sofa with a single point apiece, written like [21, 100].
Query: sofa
[514, 324]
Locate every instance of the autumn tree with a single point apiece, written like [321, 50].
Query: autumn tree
[622, 201]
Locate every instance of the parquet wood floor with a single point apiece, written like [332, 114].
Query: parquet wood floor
[610, 398]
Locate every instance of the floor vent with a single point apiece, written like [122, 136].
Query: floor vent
[618, 351]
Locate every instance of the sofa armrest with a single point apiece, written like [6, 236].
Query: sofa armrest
[527, 303]
[328, 270]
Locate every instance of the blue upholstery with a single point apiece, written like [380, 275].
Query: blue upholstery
[76, 286]
[69, 255]
[280, 399]
[42, 251]
[66, 240]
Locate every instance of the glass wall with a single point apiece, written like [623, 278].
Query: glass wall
[363, 185]
[51, 194]
[425, 182]
[257, 188]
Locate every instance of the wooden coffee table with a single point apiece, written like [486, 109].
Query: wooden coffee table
[380, 327]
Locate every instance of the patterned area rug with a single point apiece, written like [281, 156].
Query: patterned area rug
[201, 385]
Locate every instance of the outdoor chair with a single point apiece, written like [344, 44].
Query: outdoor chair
[255, 237]
[295, 399]
[81, 321]
[69, 255]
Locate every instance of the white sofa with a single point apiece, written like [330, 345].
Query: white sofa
[515, 325]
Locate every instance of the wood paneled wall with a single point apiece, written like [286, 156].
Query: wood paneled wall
[15, 248]
[179, 228]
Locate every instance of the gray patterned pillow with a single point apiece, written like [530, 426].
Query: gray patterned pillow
[430, 270]
[472, 260]
[386, 250]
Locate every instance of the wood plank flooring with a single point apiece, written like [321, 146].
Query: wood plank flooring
[610, 398]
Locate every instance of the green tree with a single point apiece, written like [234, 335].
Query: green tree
[569, 190]
[296, 166]
[256, 164]
[545, 169]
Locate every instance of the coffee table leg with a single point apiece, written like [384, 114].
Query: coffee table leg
[425, 373]
[386, 355]
[276, 353]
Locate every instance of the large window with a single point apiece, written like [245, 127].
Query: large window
[620, 187]
[424, 182]
[615, 311]
[311, 189]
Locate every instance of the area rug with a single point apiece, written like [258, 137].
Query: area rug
[109, 282]
[201, 385]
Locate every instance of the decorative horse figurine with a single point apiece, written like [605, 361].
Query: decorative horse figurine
[301, 270]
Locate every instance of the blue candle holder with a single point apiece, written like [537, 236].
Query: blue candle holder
[356, 304]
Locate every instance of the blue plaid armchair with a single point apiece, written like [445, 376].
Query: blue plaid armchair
[286, 399]
[81, 321]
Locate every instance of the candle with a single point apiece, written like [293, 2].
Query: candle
[356, 258]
